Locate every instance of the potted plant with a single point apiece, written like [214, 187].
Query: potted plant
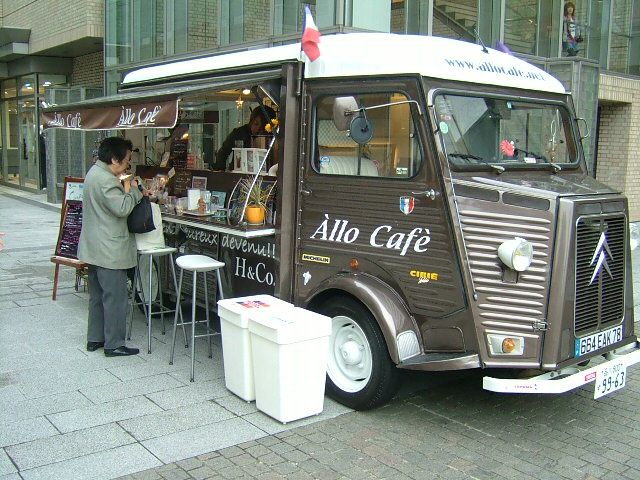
[255, 196]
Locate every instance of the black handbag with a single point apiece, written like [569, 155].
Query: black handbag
[140, 220]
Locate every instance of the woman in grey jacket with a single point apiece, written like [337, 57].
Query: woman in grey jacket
[107, 246]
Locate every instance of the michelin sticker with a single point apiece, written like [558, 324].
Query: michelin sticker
[316, 258]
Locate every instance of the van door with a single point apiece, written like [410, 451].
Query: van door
[376, 209]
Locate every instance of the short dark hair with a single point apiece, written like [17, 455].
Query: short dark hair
[258, 111]
[114, 147]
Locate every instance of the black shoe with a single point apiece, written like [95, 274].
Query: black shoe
[120, 352]
[93, 346]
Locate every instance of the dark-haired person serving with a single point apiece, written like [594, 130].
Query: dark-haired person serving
[107, 246]
[241, 137]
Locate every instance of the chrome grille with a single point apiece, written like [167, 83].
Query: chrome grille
[600, 260]
[502, 305]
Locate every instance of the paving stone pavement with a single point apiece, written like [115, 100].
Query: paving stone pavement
[71, 414]
[440, 426]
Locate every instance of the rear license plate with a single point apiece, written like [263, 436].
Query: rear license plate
[610, 377]
[598, 340]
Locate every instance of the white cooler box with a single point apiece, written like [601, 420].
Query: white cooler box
[236, 349]
[290, 351]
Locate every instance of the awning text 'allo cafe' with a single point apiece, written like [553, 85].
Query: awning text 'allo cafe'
[147, 114]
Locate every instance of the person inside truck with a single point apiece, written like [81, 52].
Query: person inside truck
[241, 137]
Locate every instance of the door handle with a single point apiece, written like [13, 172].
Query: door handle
[431, 193]
[305, 192]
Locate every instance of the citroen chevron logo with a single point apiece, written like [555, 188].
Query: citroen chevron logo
[600, 258]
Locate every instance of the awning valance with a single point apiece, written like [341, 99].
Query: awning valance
[113, 113]
[147, 107]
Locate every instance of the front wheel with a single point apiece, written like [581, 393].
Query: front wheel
[360, 373]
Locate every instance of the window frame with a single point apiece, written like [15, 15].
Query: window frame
[543, 166]
[354, 87]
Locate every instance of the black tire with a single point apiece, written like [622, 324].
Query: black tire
[384, 379]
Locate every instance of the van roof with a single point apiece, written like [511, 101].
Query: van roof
[371, 54]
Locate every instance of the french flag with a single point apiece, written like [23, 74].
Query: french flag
[310, 36]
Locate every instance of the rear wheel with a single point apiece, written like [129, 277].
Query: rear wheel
[360, 373]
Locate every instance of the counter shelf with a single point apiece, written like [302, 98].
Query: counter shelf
[220, 225]
[248, 252]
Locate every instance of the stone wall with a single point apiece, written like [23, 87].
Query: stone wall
[88, 70]
[619, 137]
[74, 19]
[203, 25]
[256, 20]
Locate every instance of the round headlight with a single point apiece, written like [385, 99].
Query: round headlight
[516, 254]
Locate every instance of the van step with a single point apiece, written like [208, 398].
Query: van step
[442, 361]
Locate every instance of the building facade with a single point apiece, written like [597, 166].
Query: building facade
[43, 44]
[603, 73]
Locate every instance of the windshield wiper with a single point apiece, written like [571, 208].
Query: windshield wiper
[537, 156]
[467, 156]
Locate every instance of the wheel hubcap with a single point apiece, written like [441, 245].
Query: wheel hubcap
[350, 359]
[351, 353]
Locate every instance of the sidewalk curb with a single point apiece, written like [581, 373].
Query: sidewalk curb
[48, 206]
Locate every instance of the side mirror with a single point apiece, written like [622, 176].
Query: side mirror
[343, 110]
[583, 126]
[361, 129]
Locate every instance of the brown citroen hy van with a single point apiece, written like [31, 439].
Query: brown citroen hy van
[434, 201]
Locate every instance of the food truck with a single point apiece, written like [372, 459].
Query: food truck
[431, 197]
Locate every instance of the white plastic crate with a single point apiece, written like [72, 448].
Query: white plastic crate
[236, 347]
[290, 354]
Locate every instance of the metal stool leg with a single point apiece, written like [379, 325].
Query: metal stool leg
[175, 317]
[206, 309]
[193, 325]
[178, 305]
[160, 296]
[149, 304]
[220, 294]
[138, 288]
[132, 298]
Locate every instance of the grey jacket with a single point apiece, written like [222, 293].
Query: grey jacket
[105, 240]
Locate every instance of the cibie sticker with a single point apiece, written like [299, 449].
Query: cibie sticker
[316, 258]
[324, 161]
[407, 204]
[424, 277]
[444, 127]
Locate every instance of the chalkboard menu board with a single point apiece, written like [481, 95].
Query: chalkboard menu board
[70, 230]
[181, 182]
[178, 154]
[70, 218]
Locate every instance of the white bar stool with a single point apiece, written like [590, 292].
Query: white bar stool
[195, 264]
[148, 303]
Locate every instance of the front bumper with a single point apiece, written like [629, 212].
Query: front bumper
[565, 379]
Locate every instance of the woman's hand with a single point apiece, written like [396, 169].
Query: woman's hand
[128, 185]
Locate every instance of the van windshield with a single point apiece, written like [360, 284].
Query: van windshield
[486, 132]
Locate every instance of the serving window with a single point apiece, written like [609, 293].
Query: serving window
[392, 151]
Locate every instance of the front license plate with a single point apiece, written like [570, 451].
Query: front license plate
[598, 340]
[609, 378]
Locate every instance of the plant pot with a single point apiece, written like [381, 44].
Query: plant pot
[254, 214]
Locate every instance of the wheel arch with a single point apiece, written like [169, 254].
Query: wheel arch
[385, 305]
